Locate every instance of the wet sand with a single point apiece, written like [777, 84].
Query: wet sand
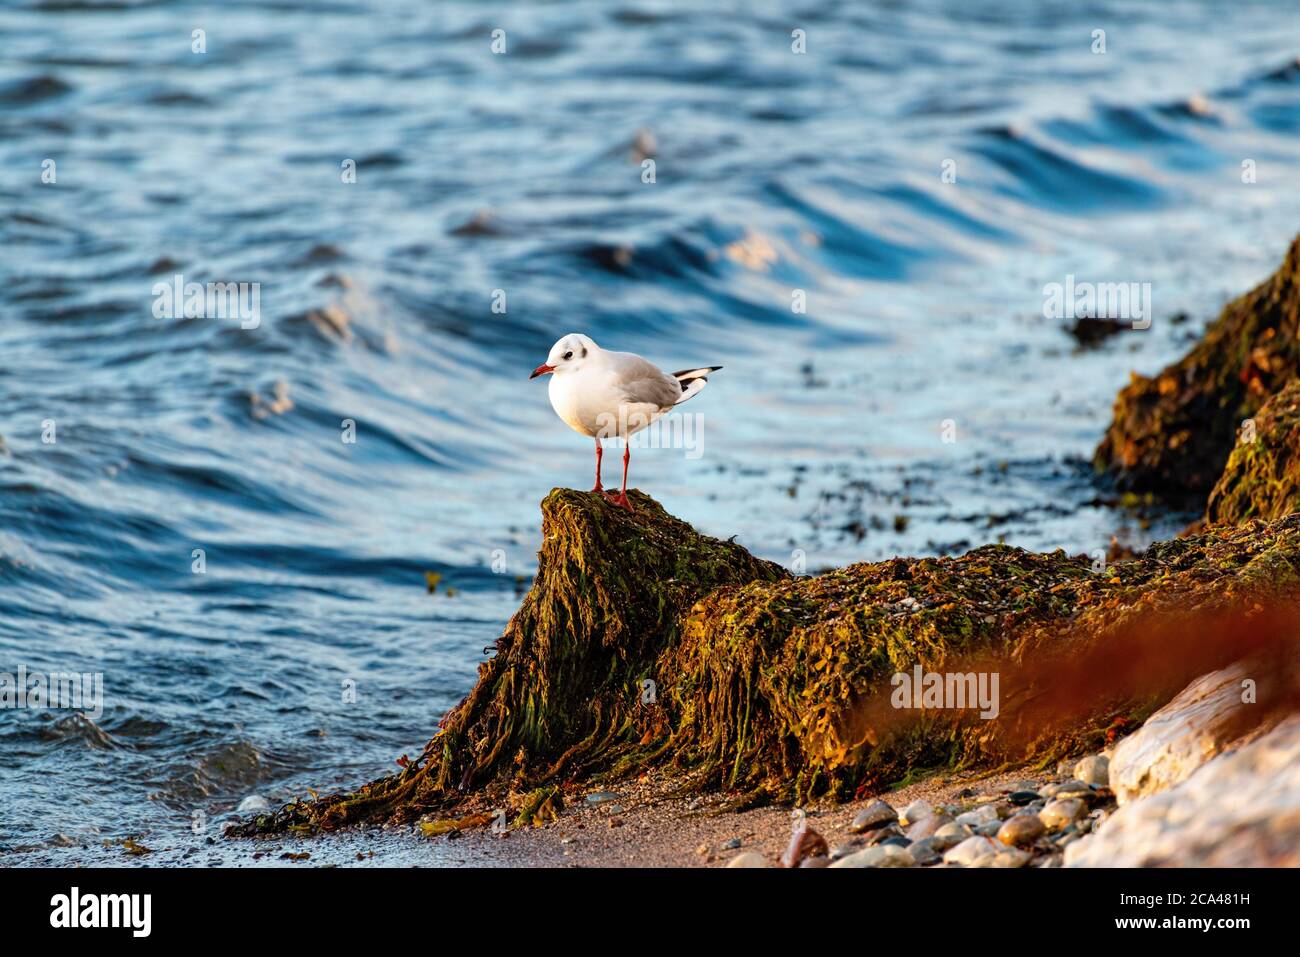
[638, 824]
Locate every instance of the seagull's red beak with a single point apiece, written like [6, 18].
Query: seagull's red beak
[541, 370]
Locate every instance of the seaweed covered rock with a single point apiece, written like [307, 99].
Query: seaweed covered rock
[567, 691]
[1172, 433]
[771, 687]
[1262, 477]
[791, 689]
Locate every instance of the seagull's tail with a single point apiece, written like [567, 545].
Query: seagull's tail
[692, 381]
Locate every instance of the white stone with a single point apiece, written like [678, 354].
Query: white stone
[1094, 769]
[1240, 809]
[914, 812]
[882, 855]
[971, 850]
[1191, 729]
[985, 814]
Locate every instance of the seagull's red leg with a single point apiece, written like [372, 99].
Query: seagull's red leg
[599, 452]
[621, 500]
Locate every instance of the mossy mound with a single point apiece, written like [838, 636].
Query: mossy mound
[566, 693]
[1262, 477]
[784, 689]
[1172, 433]
[780, 688]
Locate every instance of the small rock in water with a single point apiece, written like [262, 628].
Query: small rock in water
[1021, 798]
[882, 855]
[1061, 812]
[1021, 829]
[981, 815]
[971, 850]
[950, 835]
[748, 859]
[253, 803]
[915, 811]
[874, 815]
[1094, 769]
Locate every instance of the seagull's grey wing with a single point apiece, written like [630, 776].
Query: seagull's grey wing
[643, 382]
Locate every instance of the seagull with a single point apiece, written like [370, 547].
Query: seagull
[605, 394]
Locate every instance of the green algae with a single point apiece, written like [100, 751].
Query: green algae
[1262, 477]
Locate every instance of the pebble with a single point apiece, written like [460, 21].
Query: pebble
[1021, 829]
[1007, 857]
[882, 855]
[970, 850]
[843, 850]
[990, 829]
[1094, 769]
[731, 845]
[1064, 787]
[882, 834]
[804, 843]
[950, 835]
[874, 815]
[748, 859]
[254, 802]
[1061, 812]
[1066, 835]
[899, 841]
[927, 826]
[1021, 798]
[924, 852]
[915, 811]
[980, 815]
[600, 797]
[820, 861]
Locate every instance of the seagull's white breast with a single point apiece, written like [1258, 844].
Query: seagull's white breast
[571, 403]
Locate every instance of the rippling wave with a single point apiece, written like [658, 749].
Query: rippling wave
[181, 508]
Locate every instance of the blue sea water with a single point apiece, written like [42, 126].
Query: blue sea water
[181, 510]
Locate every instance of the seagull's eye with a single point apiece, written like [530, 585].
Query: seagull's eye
[568, 355]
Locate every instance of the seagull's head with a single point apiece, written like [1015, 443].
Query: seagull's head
[567, 355]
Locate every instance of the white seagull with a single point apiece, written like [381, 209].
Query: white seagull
[605, 394]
